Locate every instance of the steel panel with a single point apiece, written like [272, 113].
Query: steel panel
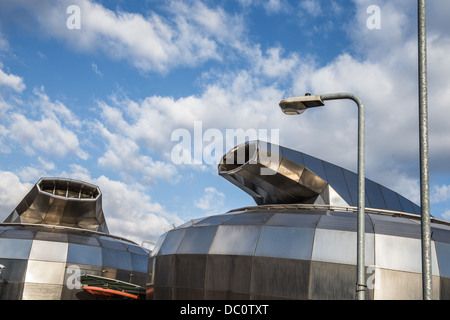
[399, 285]
[294, 220]
[352, 184]
[45, 272]
[172, 241]
[14, 272]
[3, 229]
[397, 226]
[337, 181]
[78, 253]
[331, 281]
[137, 249]
[48, 251]
[116, 259]
[292, 155]
[239, 240]
[444, 286]
[285, 242]
[192, 222]
[139, 262]
[228, 273]
[86, 239]
[315, 165]
[56, 235]
[345, 221]
[226, 295]
[111, 243]
[190, 271]
[163, 293]
[373, 191]
[440, 233]
[14, 292]
[280, 278]
[443, 255]
[340, 247]
[254, 218]
[158, 245]
[197, 240]
[15, 248]
[16, 233]
[391, 199]
[164, 271]
[406, 204]
[188, 294]
[33, 291]
[399, 253]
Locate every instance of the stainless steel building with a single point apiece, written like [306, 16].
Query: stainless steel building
[299, 242]
[56, 244]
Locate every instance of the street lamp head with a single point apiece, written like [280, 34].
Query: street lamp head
[298, 105]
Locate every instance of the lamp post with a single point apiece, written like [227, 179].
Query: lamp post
[297, 105]
[427, 288]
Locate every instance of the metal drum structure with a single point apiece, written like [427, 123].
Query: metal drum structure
[56, 242]
[299, 242]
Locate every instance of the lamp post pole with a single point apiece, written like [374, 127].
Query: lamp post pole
[300, 104]
[361, 274]
[423, 131]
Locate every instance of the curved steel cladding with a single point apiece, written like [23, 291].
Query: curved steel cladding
[56, 241]
[269, 177]
[62, 202]
[300, 241]
[274, 174]
[296, 252]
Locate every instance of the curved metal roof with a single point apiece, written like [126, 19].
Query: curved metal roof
[273, 174]
[62, 202]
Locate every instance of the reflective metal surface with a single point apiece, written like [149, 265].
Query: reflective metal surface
[300, 242]
[295, 177]
[47, 253]
[62, 202]
[296, 252]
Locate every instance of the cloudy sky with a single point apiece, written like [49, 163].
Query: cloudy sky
[99, 91]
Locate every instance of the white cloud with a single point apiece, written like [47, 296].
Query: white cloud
[312, 7]
[11, 81]
[45, 135]
[191, 35]
[440, 193]
[51, 134]
[56, 110]
[446, 215]
[96, 70]
[274, 65]
[212, 200]
[12, 191]
[277, 6]
[4, 44]
[123, 155]
[131, 213]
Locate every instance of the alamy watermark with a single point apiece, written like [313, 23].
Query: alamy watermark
[208, 147]
[73, 281]
[373, 22]
[73, 21]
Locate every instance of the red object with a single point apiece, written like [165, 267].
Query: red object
[107, 293]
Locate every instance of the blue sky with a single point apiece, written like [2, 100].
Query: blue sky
[101, 102]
